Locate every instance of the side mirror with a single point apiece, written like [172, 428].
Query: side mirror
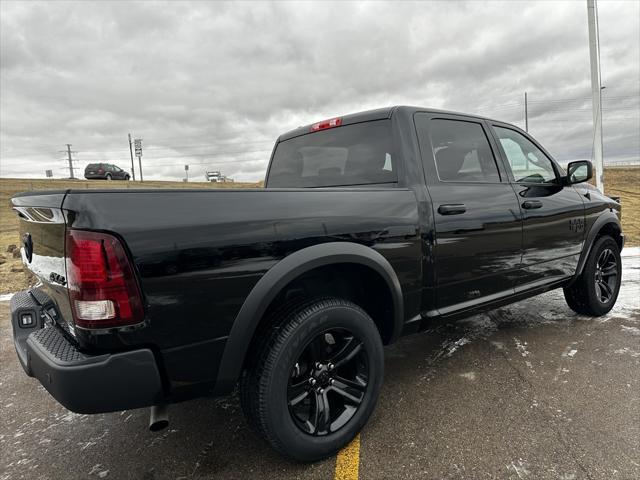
[578, 172]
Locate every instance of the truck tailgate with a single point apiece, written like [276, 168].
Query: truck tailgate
[42, 234]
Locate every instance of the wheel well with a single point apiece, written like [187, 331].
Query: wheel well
[612, 230]
[357, 283]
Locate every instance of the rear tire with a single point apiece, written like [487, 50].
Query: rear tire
[314, 379]
[595, 291]
[108, 176]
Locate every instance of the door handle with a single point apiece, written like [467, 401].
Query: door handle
[453, 209]
[531, 204]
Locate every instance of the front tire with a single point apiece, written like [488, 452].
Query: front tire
[108, 176]
[595, 291]
[315, 378]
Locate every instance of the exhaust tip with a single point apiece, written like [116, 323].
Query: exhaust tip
[159, 425]
[158, 418]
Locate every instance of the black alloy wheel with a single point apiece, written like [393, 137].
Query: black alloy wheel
[594, 292]
[328, 382]
[606, 275]
[314, 376]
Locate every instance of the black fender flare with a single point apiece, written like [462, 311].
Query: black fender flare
[281, 274]
[604, 219]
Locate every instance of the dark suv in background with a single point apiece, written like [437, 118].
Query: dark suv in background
[105, 171]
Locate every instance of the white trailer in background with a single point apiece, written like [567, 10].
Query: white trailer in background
[216, 176]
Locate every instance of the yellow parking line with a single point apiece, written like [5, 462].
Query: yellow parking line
[348, 461]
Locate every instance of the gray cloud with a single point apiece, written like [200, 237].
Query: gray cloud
[213, 84]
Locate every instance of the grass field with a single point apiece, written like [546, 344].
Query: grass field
[624, 182]
[619, 181]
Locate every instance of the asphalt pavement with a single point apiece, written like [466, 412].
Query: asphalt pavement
[530, 391]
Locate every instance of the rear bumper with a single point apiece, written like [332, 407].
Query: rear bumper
[81, 382]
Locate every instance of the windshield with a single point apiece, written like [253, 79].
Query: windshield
[358, 154]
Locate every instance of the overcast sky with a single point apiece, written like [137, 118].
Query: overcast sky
[213, 84]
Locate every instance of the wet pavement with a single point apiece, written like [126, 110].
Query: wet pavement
[527, 391]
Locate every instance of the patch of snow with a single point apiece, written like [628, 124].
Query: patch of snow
[95, 469]
[6, 297]
[631, 330]
[627, 351]
[568, 476]
[449, 347]
[469, 375]
[521, 469]
[522, 347]
[630, 252]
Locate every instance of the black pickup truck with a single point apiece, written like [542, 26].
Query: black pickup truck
[370, 226]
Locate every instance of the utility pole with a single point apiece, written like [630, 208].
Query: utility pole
[526, 114]
[133, 170]
[596, 92]
[69, 152]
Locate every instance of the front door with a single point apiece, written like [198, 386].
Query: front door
[554, 223]
[478, 224]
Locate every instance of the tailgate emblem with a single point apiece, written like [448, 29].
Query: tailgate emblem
[28, 246]
[57, 278]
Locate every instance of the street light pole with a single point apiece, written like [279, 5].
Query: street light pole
[596, 92]
[526, 113]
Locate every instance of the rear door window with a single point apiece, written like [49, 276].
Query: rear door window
[462, 152]
[357, 154]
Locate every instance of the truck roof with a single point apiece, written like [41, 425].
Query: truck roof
[376, 114]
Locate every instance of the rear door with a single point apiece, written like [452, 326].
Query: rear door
[553, 214]
[478, 224]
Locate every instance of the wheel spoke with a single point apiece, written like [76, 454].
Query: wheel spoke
[611, 269]
[322, 413]
[606, 288]
[298, 393]
[352, 394]
[599, 291]
[342, 382]
[351, 348]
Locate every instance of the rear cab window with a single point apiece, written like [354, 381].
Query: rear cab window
[349, 155]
